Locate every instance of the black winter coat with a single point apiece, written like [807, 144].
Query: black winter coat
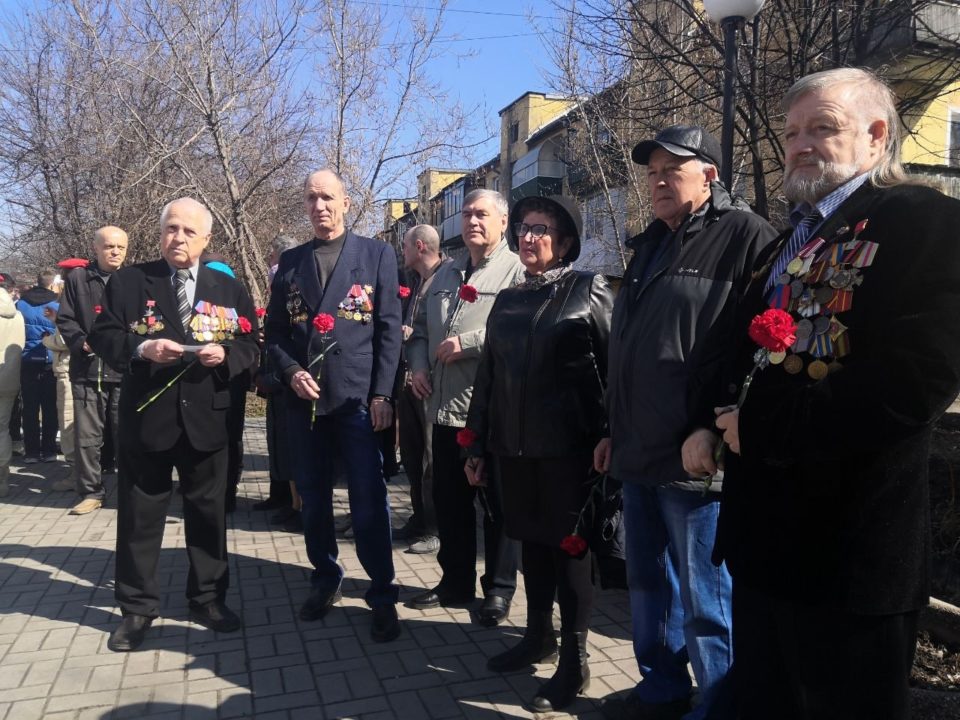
[670, 335]
[83, 293]
[828, 502]
[539, 387]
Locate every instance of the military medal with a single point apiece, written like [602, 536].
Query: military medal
[817, 370]
[793, 364]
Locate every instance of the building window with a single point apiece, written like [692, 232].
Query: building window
[514, 132]
[954, 139]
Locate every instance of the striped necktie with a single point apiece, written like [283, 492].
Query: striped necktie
[796, 242]
[183, 304]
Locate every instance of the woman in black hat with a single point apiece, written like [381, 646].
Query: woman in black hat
[537, 408]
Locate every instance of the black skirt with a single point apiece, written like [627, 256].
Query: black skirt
[542, 497]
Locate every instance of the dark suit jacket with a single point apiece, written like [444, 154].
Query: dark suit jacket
[364, 361]
[197, 403]
[828, 503]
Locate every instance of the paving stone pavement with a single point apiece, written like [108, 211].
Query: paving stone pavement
[57, 609]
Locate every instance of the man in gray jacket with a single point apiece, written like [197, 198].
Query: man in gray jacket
[443, 352]
[668, 336]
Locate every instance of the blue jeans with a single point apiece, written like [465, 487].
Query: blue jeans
[352, 437]
[680, 601]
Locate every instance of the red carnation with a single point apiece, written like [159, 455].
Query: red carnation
[323, 323]
[98, 309]
[573, 545]
[404, 292]
[773, 330]
[261, 312]
[468, 293]
[466, 437]
[244, 324]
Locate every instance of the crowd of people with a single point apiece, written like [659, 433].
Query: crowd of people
[775, 538]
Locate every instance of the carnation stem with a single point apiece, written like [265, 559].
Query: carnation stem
[166, 387]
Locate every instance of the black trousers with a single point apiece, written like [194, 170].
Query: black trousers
[94, 416]
[797, 662]
[145, 483]
[280, 457]
[549, 571]
[453, 497]
[412, 425]
[38, 390]
[235, 419]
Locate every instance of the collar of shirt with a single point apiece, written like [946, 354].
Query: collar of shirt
[829, 203]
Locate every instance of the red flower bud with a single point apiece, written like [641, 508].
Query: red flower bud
[404, 292]
[466, 437]
[98, 309]
[261, 312]
[244, 324]
[323, 323]
[468, 293]
[773, 330]
[573, 545]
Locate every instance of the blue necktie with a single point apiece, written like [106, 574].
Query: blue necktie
[796, 242]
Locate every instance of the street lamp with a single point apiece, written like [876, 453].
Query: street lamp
[730, 14]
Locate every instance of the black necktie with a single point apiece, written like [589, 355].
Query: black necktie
[183, 304]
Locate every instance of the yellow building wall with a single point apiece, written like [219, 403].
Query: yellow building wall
[928, 138]
[530, 112]
[432, 181]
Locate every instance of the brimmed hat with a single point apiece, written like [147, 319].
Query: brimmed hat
[683, 141]
[563, 206]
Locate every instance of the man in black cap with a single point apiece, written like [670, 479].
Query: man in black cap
[667, 340]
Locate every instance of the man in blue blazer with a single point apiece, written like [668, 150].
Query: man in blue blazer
[340, 401]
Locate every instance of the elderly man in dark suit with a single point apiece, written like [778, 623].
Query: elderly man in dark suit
[177, 332]
[354, 280]
[824, 520]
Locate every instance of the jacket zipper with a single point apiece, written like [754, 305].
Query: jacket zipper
[526, 366]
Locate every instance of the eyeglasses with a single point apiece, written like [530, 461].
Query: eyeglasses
[537, 231]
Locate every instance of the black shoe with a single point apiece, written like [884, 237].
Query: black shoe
[440, 597]
[386, 624]
[632, 708]
[571, 678]
[130, 634]
[108, 470]
[282, 516]
[318, 604]
[493, 611]
[216, 616]
[538, 645]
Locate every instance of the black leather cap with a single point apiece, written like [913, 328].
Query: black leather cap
[683, 141]
[564, 206]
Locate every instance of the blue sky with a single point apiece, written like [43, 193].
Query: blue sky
[501, 53]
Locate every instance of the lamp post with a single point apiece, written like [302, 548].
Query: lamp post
[730, 14]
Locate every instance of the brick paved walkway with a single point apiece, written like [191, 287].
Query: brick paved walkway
[57, 608]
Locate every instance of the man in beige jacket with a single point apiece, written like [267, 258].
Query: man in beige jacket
[443, 352]
[11, 343]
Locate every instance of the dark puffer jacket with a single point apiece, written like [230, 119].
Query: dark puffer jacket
[31, 305]
[539, 387]
[670, 333]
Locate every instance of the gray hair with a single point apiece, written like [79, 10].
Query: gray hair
[498, 200]
[207, 217]
[282, 243]
[871, 99]
[427, 234]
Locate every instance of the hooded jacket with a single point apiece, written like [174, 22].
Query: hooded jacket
[11, 342]
[31, 305]
[670, 332]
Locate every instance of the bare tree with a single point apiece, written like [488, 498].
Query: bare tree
[662, 61]
[382, 116]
